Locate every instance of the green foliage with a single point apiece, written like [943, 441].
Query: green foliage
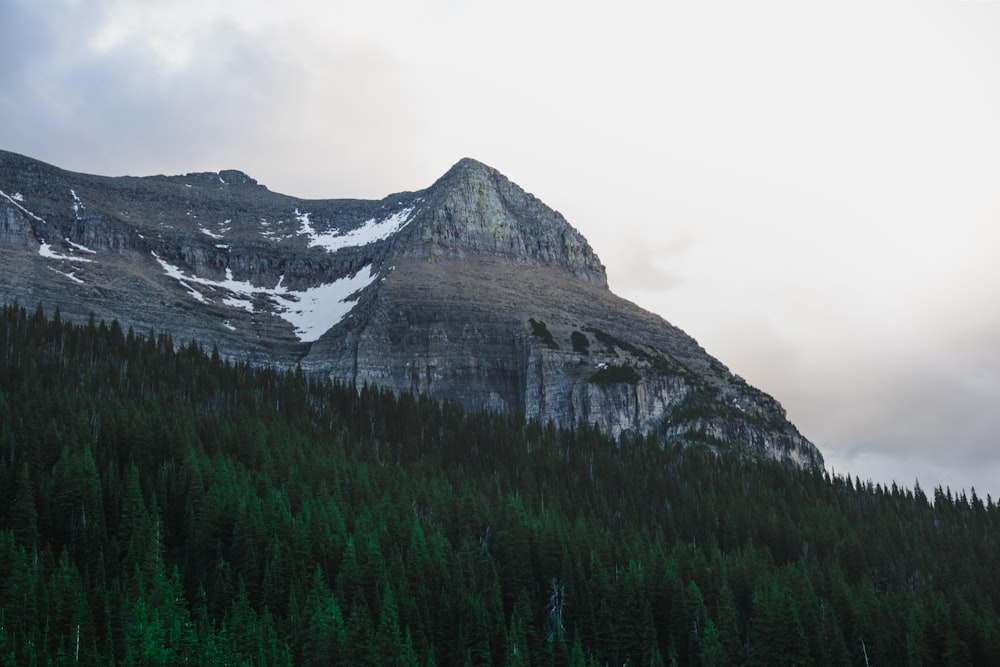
[658, 363]
[702, 403]
[615, 374]
[163, 506]
[705, 403]
[581, 344]
[542, 332]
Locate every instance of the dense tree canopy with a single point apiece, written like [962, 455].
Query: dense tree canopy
[162, 506]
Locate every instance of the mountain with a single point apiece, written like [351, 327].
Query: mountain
[470, 290]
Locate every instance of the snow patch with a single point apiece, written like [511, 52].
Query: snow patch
[312, 311]
[370, 231]
[305, 227]
[17, 196]
[77, 204]
[71, 275]
[224, 227]
[227, 323]
[81, 247]
[237, 302]
[273, 235]
[177, 275]
[46, 251]
[320, 308]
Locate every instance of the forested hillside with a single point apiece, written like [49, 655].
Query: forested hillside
[161, 506]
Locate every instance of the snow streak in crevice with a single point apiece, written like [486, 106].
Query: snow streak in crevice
[370, 231]
[16, 201]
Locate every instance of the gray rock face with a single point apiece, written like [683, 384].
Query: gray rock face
[470, 290]
[476, 212]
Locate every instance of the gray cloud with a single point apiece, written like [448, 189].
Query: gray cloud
[926, 410]
[649, 262]
[243, 100]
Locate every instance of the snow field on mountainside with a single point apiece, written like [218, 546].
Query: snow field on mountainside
[311, 311]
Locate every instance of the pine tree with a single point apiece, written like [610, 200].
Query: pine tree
[516, 651]
[360, 634]
[713, 652]
[325, 640]
[388, 638]
[23, 512]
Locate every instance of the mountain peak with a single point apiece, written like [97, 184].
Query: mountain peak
[470, 164]
[473, 209]
[236, 177]
[469, 172]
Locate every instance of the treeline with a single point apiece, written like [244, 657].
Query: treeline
[161, 506]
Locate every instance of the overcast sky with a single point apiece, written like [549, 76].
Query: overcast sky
[811, 191]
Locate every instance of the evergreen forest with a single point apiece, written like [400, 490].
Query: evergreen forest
[163, 506]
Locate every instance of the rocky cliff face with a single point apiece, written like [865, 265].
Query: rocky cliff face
[470, 290]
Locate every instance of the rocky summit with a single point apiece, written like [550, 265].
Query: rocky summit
[470, 290]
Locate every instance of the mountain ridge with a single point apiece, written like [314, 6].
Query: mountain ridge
[470, 290]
